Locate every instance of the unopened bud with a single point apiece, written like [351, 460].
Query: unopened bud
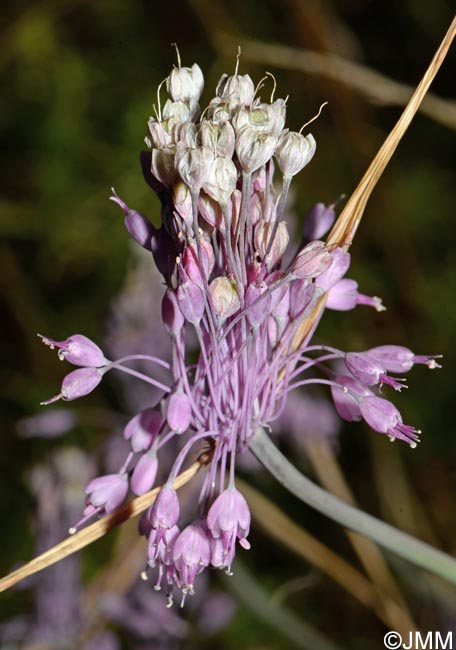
[210, 210]
[294, 151]
[194, 266]
[182, 200]
[179, 413]
[76, 384]
[194, 166]
[172, 317]
[190, 299]
[219, 138]
[263, 232]
[222, 180]
[257, 307]
[162, 165]
[340, 262]
[185, 84]
[254, 148]
[224, 297]
[239, 88]
[311, 261]
[144, 474]
[318, 221]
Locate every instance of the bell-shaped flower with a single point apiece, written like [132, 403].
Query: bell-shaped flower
[107, 492]
[369, 371]
[312, 260]
[347, 397]
[165, 511]
[224, 296]
[254, 148]
[185, 84]
[318, 221]
[344, 295]
[143, 476]
[179, 411]
[294, 151]
[78, 350]
[191, 554]
[238, 88]
[229, 518]
[143, 428]
[397, 358]
[76, 384]
[340, 262]
[382, 416]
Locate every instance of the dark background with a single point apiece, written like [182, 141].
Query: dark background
[78, 83]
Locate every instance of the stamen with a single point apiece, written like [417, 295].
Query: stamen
[314, 118]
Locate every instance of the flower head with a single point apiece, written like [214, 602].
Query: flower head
[229, 283]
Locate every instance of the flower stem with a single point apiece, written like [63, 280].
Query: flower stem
[387, 536]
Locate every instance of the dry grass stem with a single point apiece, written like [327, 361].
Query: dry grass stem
[349, 219]
[93, 532]
[377, 88]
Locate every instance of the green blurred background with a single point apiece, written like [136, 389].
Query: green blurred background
[78, 83]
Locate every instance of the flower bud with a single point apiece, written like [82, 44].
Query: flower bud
[302, 294]
[219, 138]
[181, 111]
[160, 138]
[185, 84]
[257, 313]
[108, 491]
[312, 260]
[76, 384]
[136, 224]
[194, 166]
[164, 251]
[254, 148]
[318, 221]
[172, 317]
[182, 200]
[224, 296]
[179, 411]
[294, 151]
[78, 350]
[162, 165]
[144, 474]
[194, 267]
[190, 299]
[143, 428]
[263, 232]
[340, 262]
[222, 179]
[397, 358]
[210, 210]
[239, 88]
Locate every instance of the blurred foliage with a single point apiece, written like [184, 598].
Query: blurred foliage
[78, 85]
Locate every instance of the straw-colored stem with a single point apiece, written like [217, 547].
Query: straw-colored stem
[93, 532]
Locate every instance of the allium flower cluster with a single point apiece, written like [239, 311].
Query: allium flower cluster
[220, 249]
